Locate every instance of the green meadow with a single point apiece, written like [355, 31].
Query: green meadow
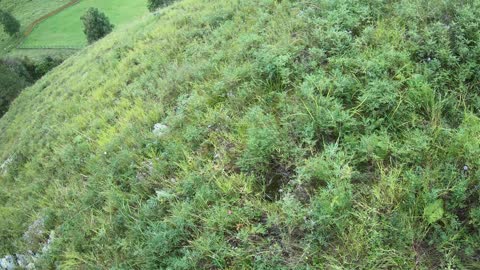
[65, 28]
[26, 11]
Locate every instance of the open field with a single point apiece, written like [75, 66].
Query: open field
[65, 29]
[26, 11]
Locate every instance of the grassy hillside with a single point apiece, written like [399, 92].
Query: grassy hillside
[227, 134]
[66, 30]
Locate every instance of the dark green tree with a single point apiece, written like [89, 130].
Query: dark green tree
[154, 4]
[96, 25]
[47, 64]
[10, 24]
[10, 86]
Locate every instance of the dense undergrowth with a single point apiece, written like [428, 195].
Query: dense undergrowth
[296, 135]
[18, 73]
[10, 84]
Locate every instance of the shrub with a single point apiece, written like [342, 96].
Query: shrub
[96, 25]
[47, 64]
[25, 68]
[154, 4]
[262, 137]
[10, 24]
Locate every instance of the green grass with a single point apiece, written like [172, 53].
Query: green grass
[309, 134]
[26, 11]
[66, 30]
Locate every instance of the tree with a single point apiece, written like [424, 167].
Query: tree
[154, 4]
[10, 24]
[96, 25]
[44, 66]
[10, 86]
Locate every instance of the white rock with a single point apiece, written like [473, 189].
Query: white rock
[21, 260]
[3, 263]
[4, 166]
[160, 129]
[164, 195]
[28, 259]
[35, 232]
[8, 262]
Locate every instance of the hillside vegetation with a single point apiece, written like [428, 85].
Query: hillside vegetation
[227, 134]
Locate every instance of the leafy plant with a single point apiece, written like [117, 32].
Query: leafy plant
[434, 211]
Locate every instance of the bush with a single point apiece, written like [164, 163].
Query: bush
[47, 64]
[154, 4]
[10, 24]
[262, 138]
[96, 25]
[22, 67]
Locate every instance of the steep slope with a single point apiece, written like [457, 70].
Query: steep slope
[255, 134]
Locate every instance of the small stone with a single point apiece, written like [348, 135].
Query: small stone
[160, 129]
[8, 262]
[4, 166]
[3, 263]
[46, 247]
[35, 233]
[145, 170]
[21, 260]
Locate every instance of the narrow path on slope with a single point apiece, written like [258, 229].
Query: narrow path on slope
[32, 26]
[35, 23]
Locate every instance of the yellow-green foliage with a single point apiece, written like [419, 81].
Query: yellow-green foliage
[309, 134]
